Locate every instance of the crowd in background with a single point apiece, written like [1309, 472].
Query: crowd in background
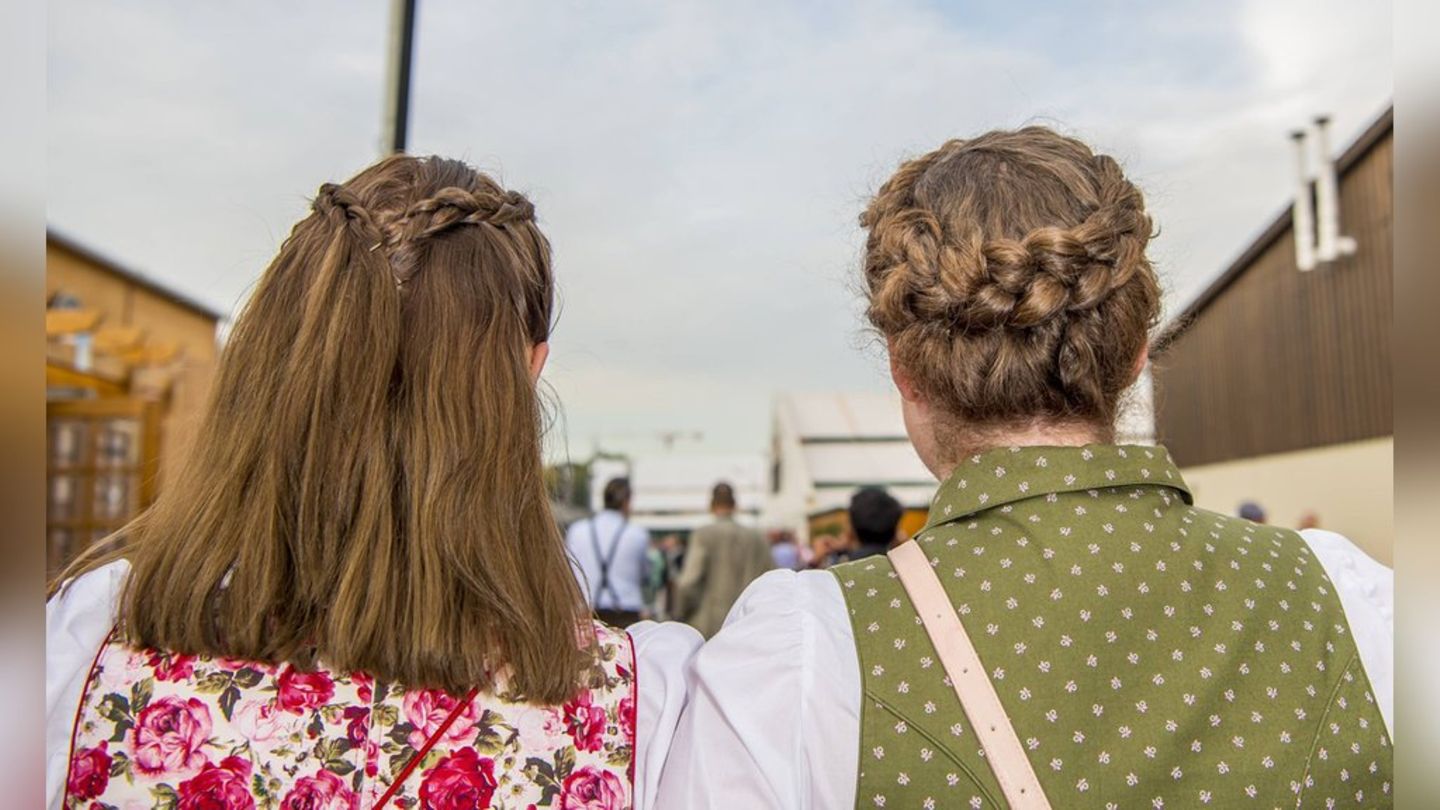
[628, 575]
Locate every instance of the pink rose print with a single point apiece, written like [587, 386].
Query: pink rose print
[426, 709]
[358, 729]
[627, 717]
[170, 666]
[168, 735]
[233, 664]
[323, 791]
[263, 721]
[89, 772]
[364, 686]
[462, 781]
[219, 787]
[302, 691]
[585, 722]
[591, 788]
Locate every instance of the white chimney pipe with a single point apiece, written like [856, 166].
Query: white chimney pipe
[1303, 214]
[1330, 245]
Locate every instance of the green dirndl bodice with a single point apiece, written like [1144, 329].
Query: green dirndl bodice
[1149, 654]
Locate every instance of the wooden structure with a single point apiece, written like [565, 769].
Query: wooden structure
[1270, 359]
[128, 367]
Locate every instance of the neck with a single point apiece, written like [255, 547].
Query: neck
[1033, 435]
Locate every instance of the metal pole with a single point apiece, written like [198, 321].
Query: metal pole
[397, 86]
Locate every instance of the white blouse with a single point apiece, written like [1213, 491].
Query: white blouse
[774, 713]
[78, 620]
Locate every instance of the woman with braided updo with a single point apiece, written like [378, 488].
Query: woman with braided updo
[355, 594]
[1067, 629]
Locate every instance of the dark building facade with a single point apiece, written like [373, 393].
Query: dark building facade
[1270, 359]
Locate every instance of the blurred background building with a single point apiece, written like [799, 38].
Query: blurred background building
[128, 366]
[826, 445]
[1274, 385]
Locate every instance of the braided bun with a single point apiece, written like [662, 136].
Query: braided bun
[1009, 275]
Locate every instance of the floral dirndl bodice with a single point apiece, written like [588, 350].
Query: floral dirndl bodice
[156, 730]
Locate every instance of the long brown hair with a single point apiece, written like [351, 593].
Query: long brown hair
[1008, 274]
[366, 489]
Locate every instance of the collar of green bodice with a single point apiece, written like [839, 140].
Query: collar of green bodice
[997, 477]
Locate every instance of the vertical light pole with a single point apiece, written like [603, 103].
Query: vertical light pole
[396, 121]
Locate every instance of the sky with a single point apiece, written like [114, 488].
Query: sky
[698, 167]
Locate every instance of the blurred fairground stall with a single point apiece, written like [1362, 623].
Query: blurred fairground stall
[128, 365]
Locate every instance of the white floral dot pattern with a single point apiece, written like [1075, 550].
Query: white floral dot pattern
[1149, 654]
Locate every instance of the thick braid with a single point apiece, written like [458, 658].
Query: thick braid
[998, 265]
[914, 271]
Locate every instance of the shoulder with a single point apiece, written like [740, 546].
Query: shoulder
[668, 645]
[1343, 558]
[94, 591]
[781, 597]
[865, 569]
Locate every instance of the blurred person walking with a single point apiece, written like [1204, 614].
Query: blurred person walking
[1252, 511]
[1067, 629]
[611, 556]
[355, 596]
[874, 523]
[722, 558]
[784, 551]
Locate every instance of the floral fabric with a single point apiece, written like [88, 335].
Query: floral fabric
[1149, 654]
[177, 732]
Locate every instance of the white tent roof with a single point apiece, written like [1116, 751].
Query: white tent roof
[852, 415]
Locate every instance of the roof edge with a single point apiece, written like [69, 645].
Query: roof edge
[1382, 126]
[70, 245]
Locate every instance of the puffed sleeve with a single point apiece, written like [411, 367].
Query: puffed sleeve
[662, 652]
[77, 621]
[1367, 592]
[773, 718]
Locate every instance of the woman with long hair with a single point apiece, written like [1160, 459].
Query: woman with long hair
[1067, 629]
[355, 594]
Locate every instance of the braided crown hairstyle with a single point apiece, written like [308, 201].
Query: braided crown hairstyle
[1009, 277]
[366, 490]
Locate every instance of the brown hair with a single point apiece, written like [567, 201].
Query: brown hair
[617, 493]
[722, 496]
[366, 489]
[1008, 274]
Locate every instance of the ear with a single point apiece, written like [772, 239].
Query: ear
[1140, 361]
[908, 390]
[539, 353]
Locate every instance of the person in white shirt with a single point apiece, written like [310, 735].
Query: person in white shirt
[609, 554]
[356, 595]
[1007, 274]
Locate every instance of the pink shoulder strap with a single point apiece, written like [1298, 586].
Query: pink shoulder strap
[977, 695]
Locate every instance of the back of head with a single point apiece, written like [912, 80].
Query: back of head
[722, 498]
[617, 493]
[874, 516]
[366, 488]
[1008, 274]
[1252, 511]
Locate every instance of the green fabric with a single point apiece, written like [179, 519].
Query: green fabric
[1150, 654]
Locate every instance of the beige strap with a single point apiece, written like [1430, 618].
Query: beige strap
[977, 695]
